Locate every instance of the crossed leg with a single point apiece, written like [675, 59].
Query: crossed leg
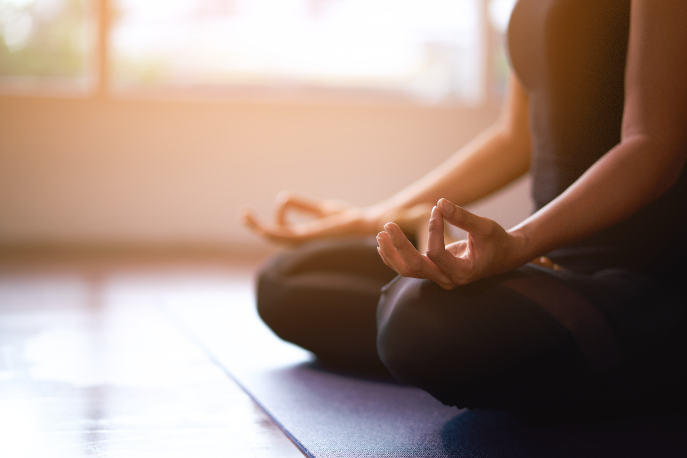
[524, 340]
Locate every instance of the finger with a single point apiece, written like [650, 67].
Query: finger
[278, 234]
[546, 262]
[249, 219]
[420, 266]
[274, 234]
[391, 255]
[405, 249]
[287, 201]
[543, 261]
[386, 261]
[436, 250]
[463, 219]
[455, 267]
[537, 262]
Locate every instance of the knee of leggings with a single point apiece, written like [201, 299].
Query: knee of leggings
[400, 349]
[424, 346]
[410, 345]
[269, 295]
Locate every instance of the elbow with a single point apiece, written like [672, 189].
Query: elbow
[661, 157]
[671, 156]
[664, 147]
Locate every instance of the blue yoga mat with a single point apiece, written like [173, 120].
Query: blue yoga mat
[331, 413]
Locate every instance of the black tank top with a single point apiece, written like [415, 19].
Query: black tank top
[570, 57]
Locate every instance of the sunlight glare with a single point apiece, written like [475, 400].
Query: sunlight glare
[429, 49]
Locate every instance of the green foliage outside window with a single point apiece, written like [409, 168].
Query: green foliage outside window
[46, 38]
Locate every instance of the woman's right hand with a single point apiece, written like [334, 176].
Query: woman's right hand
[329, 218]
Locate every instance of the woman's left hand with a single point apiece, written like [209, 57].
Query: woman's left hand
[488, 250]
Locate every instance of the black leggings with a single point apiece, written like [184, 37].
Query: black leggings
[530, 340]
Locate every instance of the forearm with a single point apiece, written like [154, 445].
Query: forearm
[643, 166]
[627, 178]
[485, 165]
[652, 153]
[492, 160]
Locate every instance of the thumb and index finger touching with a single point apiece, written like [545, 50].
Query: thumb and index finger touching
[456, 216]
[276, 233]
[474, 225]
[287, 201]
[463, 219]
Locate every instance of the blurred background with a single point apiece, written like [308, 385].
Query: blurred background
[145, 124]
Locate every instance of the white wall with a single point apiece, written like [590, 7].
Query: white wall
[90, 172]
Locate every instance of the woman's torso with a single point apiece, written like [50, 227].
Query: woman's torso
[570, 57]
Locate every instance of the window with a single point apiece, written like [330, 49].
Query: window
[47, 42]
[426, 51]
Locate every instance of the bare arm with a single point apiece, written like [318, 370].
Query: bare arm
[495, 158]
[492, 160]
[653, 149]
[644, 165]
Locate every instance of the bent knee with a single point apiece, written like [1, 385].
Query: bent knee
[412, 344]
[452, 344]
[271, 298]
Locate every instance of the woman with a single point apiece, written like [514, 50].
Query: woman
[597, 112]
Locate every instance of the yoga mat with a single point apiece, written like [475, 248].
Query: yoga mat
[331, 413]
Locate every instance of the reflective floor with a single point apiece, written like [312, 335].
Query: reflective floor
[92, 364]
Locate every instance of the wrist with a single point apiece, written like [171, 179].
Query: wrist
[523, 250]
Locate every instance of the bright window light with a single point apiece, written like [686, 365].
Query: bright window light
[46, 41]
[430, 51]
[499, 13]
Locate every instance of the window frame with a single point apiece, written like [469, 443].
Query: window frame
[99, 80]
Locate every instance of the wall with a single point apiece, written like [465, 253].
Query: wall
[172, 173]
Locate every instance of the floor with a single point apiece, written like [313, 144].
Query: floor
[92, 363]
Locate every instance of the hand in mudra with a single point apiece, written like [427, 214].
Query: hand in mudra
[328, 218]
[488, 250]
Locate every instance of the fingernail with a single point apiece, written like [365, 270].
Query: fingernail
[446, 206]
[389, 230]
